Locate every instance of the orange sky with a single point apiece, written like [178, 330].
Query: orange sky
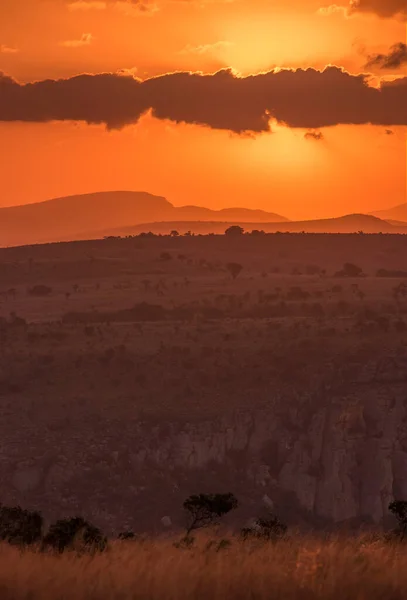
[352, 168]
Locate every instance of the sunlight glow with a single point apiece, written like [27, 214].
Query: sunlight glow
[287, 149]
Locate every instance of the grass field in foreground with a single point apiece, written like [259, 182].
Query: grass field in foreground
[301, 568]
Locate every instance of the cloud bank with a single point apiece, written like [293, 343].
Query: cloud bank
[383, 8]
[308, 99]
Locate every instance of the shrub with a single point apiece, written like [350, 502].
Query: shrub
[70, 533]
[18, 526]
[268, 528]
[126, 535]
[350, 270]
[218, 545]
[390, 273]
[39, 290]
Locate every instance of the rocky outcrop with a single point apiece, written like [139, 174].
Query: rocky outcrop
[330, 458]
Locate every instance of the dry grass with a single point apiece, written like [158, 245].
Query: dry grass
[353, 569]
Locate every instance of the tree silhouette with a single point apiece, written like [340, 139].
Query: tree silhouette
[234, 269]
[64, 533]
[234, 230]
[204, 510]
[18, 526]
[399, 509]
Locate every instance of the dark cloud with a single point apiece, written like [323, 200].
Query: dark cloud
[384, 8]
[309, 99]
[389, 132]
[394, 59]
[314, 135]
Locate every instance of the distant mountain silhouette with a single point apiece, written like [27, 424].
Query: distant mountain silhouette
[73, 217]
[128, 213]
[397, 213]
[346, 224]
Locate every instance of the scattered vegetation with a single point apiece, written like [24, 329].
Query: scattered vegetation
[127, 337]
[296, 566]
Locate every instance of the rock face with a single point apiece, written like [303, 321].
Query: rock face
[330, 458]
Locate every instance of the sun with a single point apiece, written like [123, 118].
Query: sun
[287, 149]
[263, 42]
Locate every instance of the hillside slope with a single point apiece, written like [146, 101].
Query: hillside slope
[397, 213]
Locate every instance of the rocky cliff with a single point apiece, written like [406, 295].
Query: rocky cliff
[333, 457]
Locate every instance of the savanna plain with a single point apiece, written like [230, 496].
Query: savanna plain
[137, 371]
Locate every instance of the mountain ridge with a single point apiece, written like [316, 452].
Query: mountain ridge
[73, 216]
[121, 213]
[346, 224]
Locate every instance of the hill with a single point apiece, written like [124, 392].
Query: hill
[397, 213]
[346, 224]
[72, 217]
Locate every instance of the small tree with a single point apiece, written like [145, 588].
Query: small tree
[66, 533]
[204, 510]
[174, 233]
[234, 230]
[234, 269]
[18, 526]
[399, 509]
